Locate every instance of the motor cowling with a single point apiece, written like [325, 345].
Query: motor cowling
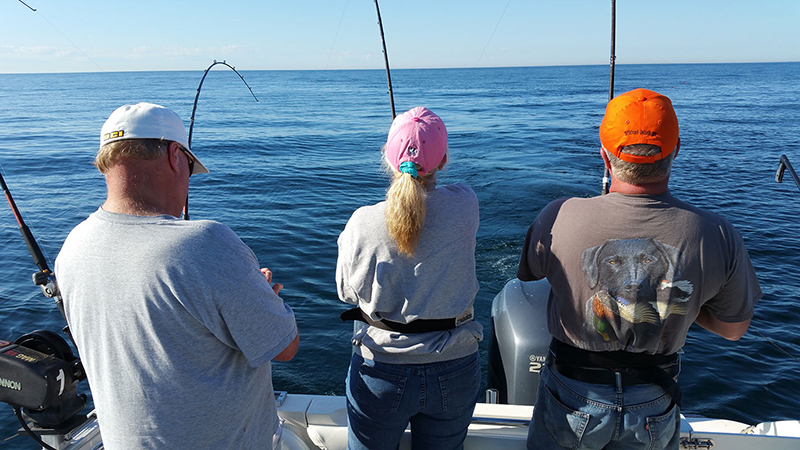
[520, 340]
[39, 374]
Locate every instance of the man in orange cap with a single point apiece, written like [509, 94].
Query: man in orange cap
[629, 273]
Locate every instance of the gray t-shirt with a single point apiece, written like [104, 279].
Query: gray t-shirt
[631, 272]
[176, 327]
[438, 282]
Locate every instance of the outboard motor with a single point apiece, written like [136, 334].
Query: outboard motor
[520, 340]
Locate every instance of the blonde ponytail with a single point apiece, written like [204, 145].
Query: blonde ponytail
[405, 211]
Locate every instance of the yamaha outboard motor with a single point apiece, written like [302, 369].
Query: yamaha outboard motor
[520, 340]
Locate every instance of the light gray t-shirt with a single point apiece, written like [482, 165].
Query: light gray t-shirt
[438, 282]
[176, 327]
[631, 272]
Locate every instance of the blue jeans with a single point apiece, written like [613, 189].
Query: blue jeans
[436, 398]
[572, 414]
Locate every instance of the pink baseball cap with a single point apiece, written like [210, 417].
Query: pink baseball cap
[418, 135]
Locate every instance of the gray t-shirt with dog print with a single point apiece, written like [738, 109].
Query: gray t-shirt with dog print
[631, 272]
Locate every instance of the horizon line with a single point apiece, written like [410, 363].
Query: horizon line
[403, 68]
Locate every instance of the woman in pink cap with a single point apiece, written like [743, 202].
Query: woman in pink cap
[408, 265]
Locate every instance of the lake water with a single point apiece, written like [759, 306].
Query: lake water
[287, 172]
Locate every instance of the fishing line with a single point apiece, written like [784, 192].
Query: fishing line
[776, 345]
[492, 35]
[62, 34]
[194, 110]
[386, 60]
[336, 35]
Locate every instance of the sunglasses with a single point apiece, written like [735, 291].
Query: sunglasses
[189, 157]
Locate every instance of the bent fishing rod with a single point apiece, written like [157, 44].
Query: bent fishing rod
[194, 110]
[44, 278]
[386, 60]
[611, 78]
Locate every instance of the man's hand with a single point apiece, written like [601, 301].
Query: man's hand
[291, 350]
[268, 273]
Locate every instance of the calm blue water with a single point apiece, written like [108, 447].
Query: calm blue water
[287, 172]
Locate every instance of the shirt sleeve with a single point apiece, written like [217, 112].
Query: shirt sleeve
[736, 300]
[536, 249]
[346, 292]
[237, 303]
[261, 327]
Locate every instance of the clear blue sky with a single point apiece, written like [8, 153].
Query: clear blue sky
[93, 35]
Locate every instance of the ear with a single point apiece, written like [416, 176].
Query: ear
[604, 155]
[677, 147]
[444, 161]
[589, 263]
[173, 156]
[672, 256]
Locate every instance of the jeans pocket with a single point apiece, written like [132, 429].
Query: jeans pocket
[664, 429]
[564, 424]
[378, 391]
[460, 387]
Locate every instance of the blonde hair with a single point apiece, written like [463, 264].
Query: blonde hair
[405, 207]
[109, 154]
[633, 173]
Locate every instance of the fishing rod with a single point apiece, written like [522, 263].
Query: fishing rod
[611, 77]
[29, 7]
[37, 378]
[782, 166]
[386, 60]
[44, 278]
[194, 110]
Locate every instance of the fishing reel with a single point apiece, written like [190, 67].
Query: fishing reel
[39, 375]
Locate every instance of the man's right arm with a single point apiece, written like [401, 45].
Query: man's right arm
[731, 331]
[529, 268]
[290, 350]
[287, 353]
[536, 249]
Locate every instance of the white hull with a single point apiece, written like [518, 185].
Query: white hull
[320, 422]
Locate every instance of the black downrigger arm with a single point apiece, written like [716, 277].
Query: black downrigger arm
[782, 166]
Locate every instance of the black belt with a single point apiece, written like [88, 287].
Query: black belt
[628, 376]
[415, 326]
[608, 368]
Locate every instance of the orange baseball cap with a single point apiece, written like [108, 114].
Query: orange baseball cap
[640, 116]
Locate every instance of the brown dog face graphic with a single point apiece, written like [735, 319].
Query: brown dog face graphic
[633, 283]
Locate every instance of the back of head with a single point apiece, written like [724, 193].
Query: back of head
[640, 133]
[142, 131]
[415, 147]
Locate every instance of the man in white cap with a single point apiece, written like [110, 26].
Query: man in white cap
[175, 323]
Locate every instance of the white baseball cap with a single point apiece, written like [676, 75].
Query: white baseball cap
[147, 121]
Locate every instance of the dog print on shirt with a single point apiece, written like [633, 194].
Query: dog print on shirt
[636, 289]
